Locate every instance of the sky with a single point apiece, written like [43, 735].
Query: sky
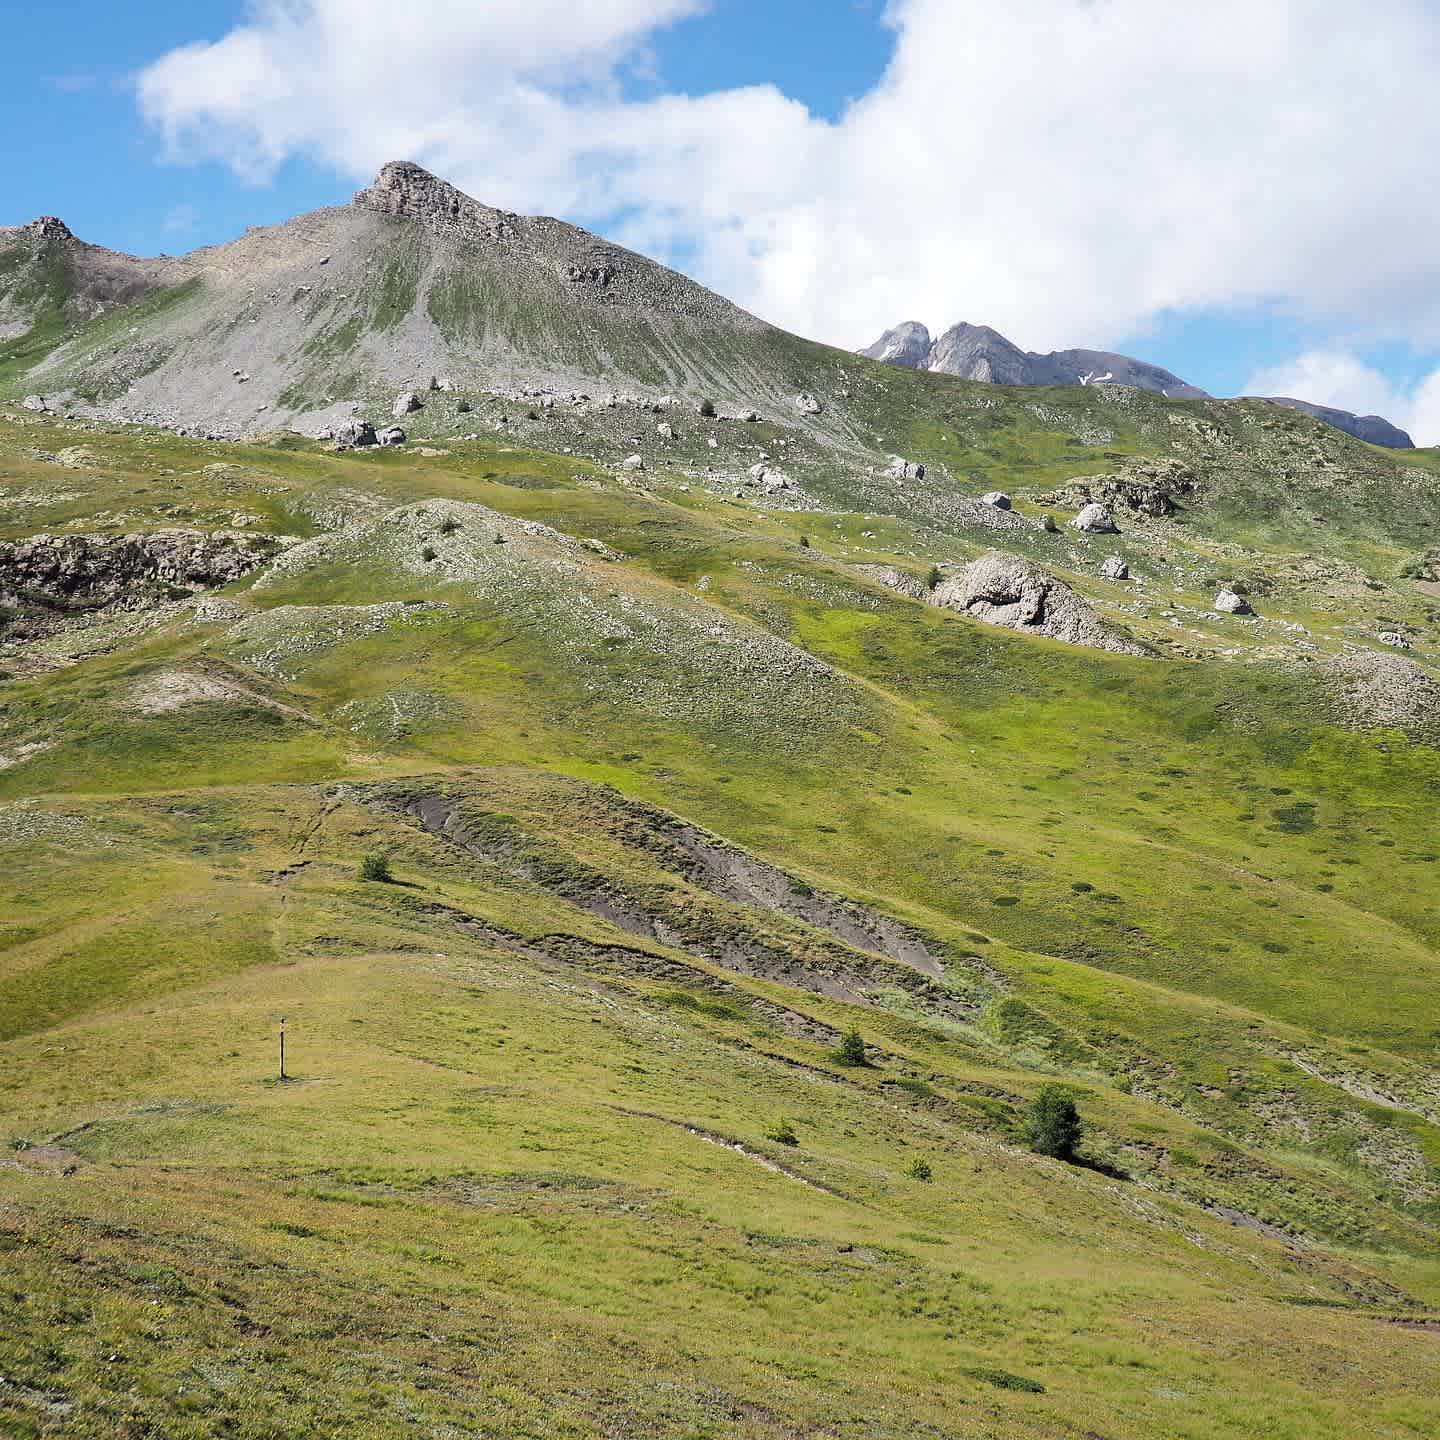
[1242, 191]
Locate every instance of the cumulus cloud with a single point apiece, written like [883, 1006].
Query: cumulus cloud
[1341, 379]
[1062, 169]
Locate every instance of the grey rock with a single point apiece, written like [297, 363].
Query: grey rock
[36, 403]
[1011, 591]
[808, 404]
[1395, 638]
[407, 403]
[907, 345]
[633, 462]
[665, 431]
[997, 499]
[900, 468]
[354, 435]
[1095, 520]
[1373, 429]
[1115, 568]
[1227, 602]
[391, 435]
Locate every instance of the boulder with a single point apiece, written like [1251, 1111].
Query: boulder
[1115, 569]
[748, 417]
[1009, 590]
[354, 435]
[407, 404]
[808, 404]
[900, 468]
[633, 462]
[1227, 602]
[36, 403]
[998, 499]
[1095, 520]
[391, 435]
[665, 431]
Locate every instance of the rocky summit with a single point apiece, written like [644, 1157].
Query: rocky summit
[573, 864]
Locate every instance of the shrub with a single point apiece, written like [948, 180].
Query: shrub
[782, 1132]
[376, 868]
[429, 553]
[1054, 1126]
[919, 1169]
[851, 1051]
[707, 409]
[804, 542]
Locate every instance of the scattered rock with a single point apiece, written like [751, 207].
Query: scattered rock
[998, 499]
[1008, 590]
[1115, 568]
[808, 404]
[407, 404]
[1095, 520]
[1378, 689]
[1227, 602]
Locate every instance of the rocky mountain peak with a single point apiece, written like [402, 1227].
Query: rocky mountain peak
[907, 345]
[405, 189]
[49, 227]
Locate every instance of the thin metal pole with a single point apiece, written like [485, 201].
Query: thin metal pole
[283, 1076]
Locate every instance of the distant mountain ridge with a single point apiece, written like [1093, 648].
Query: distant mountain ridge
[977, 352]
[1374, 429]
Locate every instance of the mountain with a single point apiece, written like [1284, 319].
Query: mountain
[350, 304]
[682, 848]
[976, 352]
[1372, 429]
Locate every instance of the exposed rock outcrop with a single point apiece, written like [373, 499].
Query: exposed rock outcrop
[69, 574]
[1010, 591]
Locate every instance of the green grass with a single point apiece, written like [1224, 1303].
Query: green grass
[525, 1176]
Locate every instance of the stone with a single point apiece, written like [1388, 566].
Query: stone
[391, 435]
[1115, 568]
[1011, 591]
[1227, 602]
[748, 417]
[633, 462]
[1392, 637]
[998, 499]
[665, 431]
[808, 404]
[1095, 520]
[36, 403]
[407, 404]
[354, 435]
[900, 468]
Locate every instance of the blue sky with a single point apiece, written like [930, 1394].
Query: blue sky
[836, 165]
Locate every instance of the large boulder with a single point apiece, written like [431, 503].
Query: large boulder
[1008, 590]
[407, 404]
[36, 403]
[1115, 568]
[808, 404]
[997, 500]
[900, 468]
[391, 435]
[354, 435]
[1228, 602]
[1095, 520]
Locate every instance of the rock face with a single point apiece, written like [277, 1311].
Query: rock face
[1373, 429]
[1010, 591]
[907, 345]
[976, 352]
[355, 435]
[1115, 569]
[1227, 602]
[70, 574]
[1095, 520]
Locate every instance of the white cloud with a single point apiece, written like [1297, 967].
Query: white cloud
[1062, 169]
[1340, 379]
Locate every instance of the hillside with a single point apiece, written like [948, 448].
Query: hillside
[691, 742]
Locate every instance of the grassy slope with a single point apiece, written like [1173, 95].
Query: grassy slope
[474, 1208]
